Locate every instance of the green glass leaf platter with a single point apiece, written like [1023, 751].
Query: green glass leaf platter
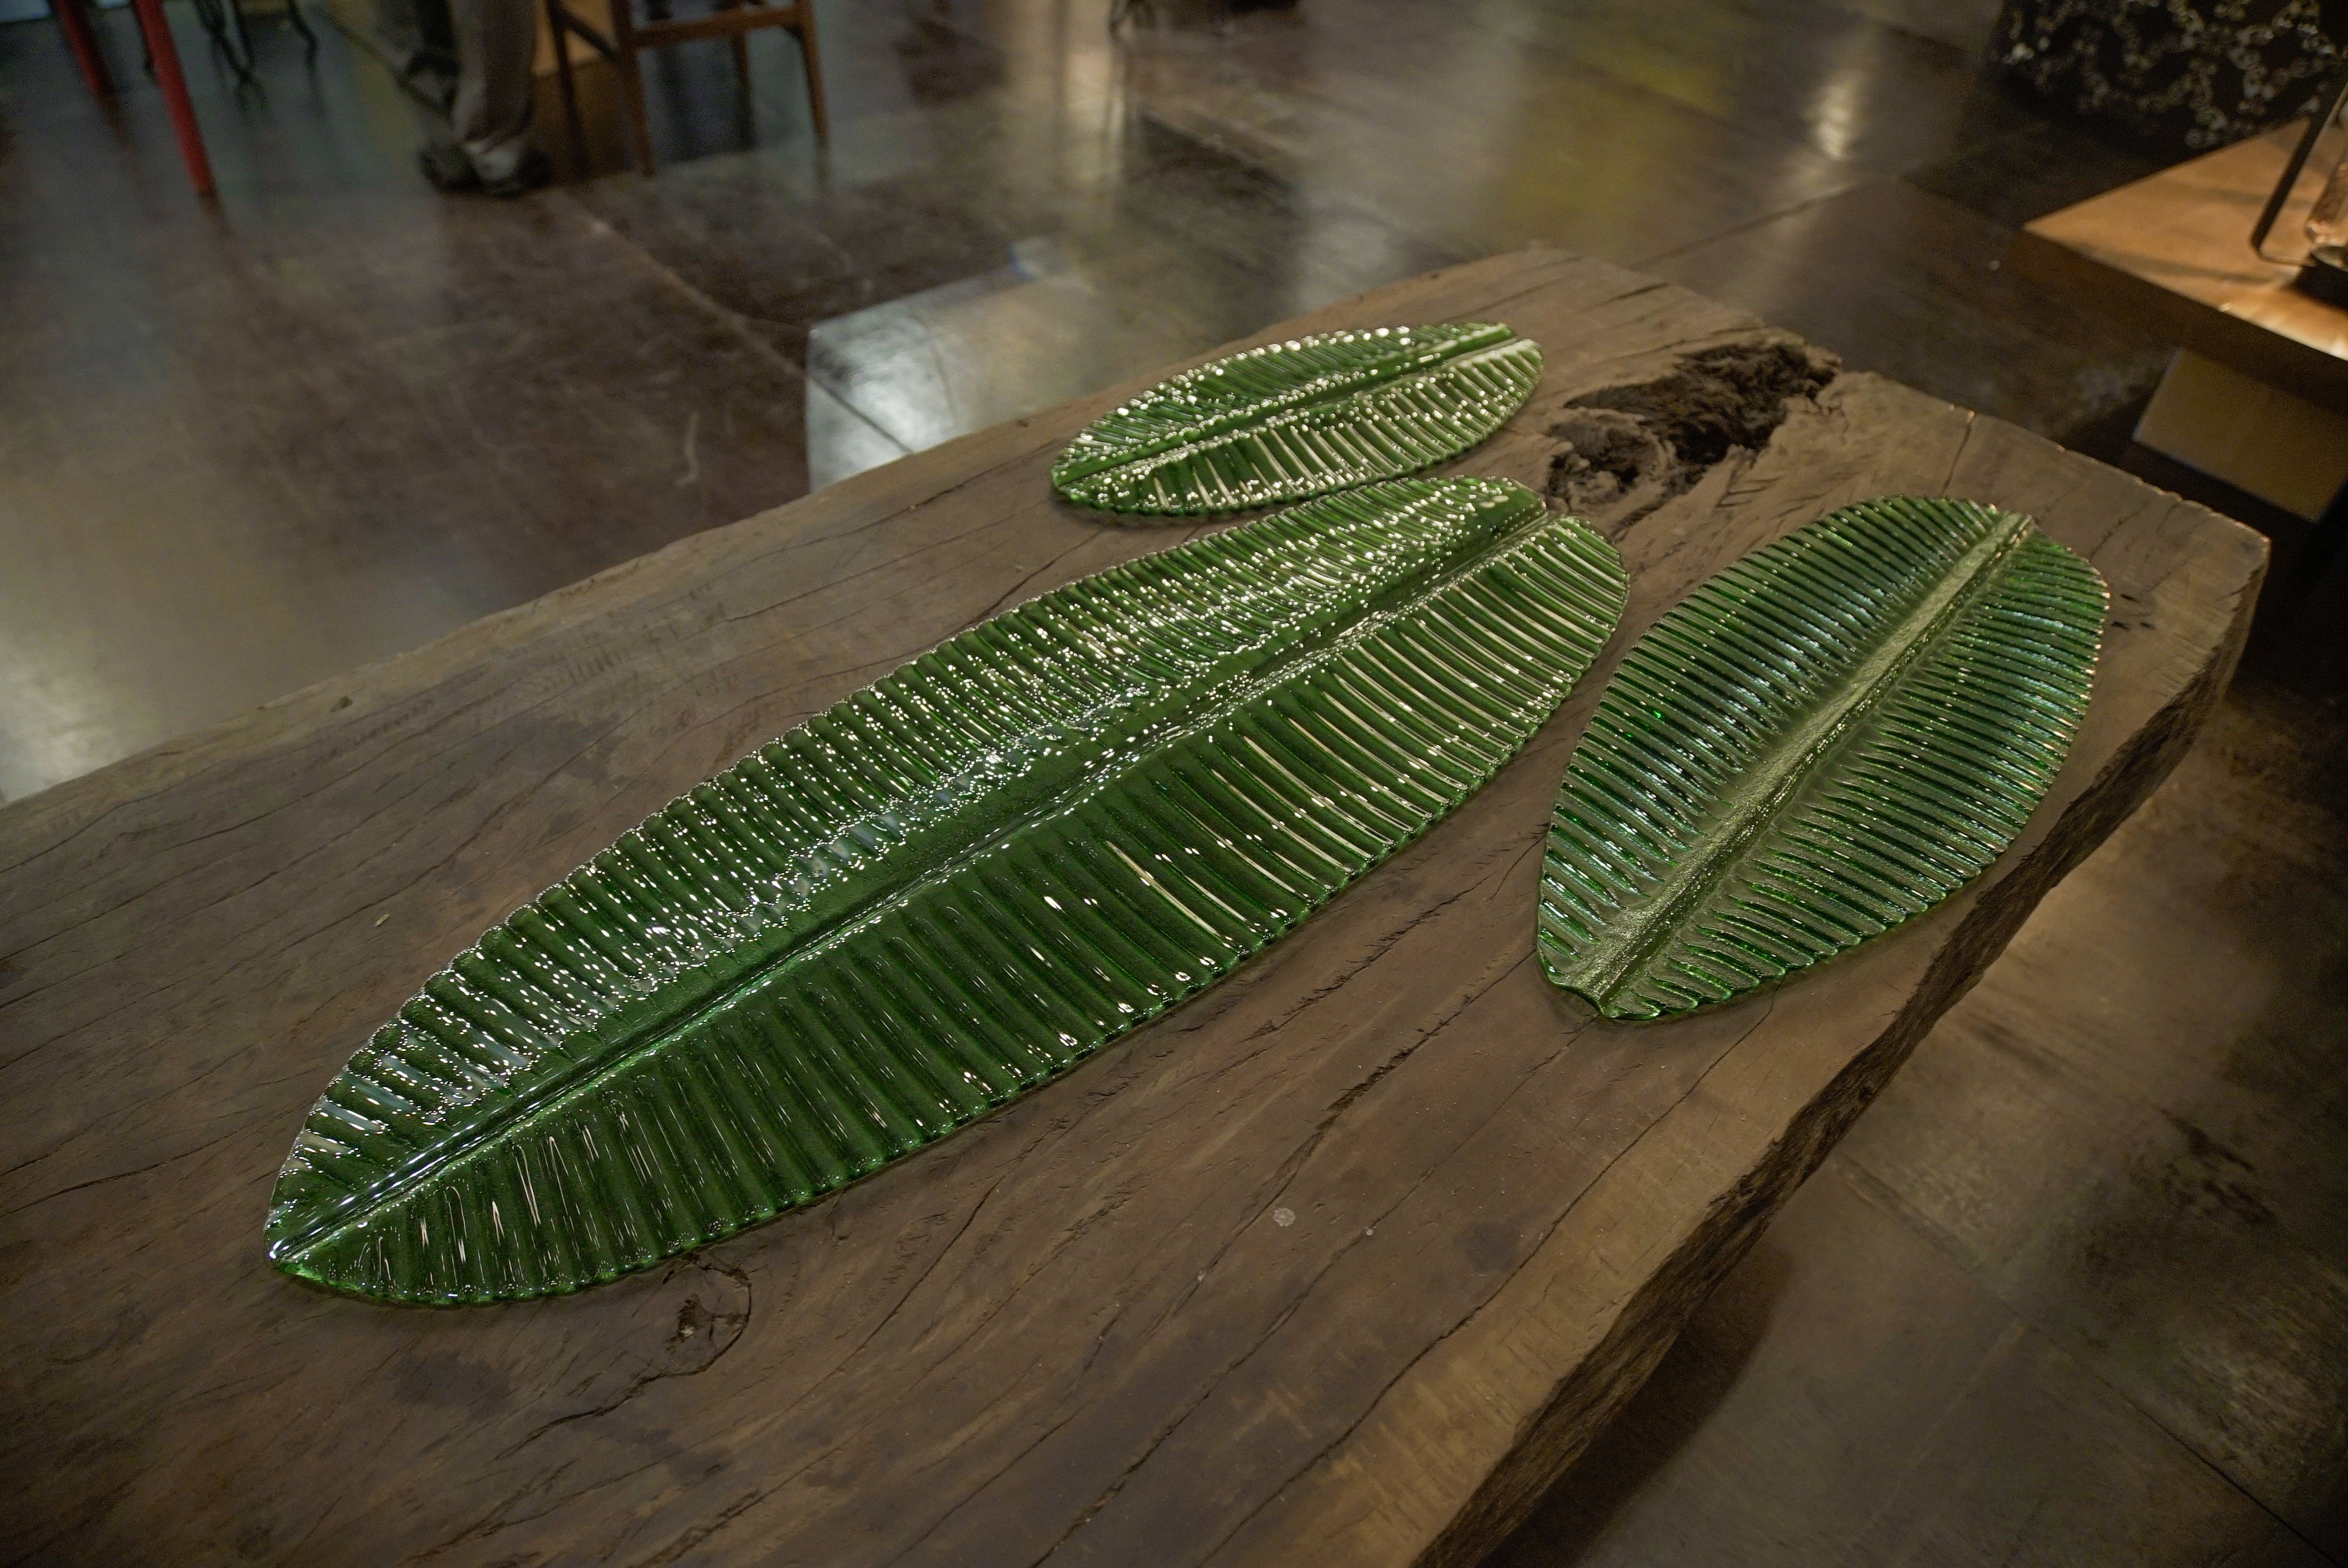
[1823, 741]
[943, 891]
[1301, 418]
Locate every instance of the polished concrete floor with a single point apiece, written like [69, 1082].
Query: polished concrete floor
[2075, 1291]
[244, 448]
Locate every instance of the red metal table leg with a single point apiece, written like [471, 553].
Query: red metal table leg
[83, 40]
[175, 92]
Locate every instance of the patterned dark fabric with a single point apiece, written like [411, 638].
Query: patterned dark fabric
[2193, 73]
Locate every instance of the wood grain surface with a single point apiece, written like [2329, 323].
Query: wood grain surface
[1341, 1261]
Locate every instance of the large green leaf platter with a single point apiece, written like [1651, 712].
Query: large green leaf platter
[942, 892]
[1821, 742]
[1301, 418]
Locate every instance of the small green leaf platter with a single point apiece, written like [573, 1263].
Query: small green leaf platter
[942, 892]
[1301, 418]
[1822, 742]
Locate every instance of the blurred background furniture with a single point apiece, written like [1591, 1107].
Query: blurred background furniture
[226, 22]
[733, 20]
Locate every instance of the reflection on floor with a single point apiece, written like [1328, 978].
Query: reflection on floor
[2073, 1292]
[252, 446]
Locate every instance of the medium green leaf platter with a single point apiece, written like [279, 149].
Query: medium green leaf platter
[1823, 741]
[1301, 418]
[943, 891]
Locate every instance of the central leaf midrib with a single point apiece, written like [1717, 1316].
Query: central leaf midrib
[1763, 789]
[1371, 373]
[437, 1160]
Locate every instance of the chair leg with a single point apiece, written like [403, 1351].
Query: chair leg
[165, 53]
[631, 87]
[301, 26]
[213, 16]
[82, 38]
[805, 30]
[244, 34]
[555, 20]
[630, 67]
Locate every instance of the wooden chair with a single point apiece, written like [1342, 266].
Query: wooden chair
[731, 20]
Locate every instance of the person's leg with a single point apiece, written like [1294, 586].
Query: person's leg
[422, 45]
[496, 42]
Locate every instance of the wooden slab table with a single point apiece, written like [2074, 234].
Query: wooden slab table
[1343, 1262]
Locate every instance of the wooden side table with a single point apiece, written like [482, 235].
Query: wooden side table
[2258, 394]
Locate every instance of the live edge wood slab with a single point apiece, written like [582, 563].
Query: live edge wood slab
[1342, 1262]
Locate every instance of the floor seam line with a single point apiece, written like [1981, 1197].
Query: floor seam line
[733, 320]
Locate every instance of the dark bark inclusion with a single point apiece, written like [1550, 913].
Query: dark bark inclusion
[1665, 434]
